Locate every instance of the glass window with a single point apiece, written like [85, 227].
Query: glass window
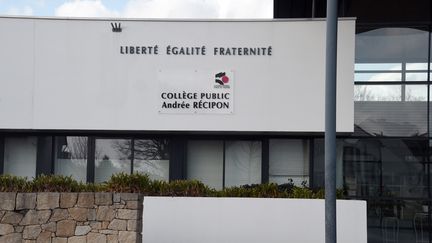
[392, 110]
[20, 156]
[377, 93]
[71, 157]
[242, 163]
[392, 45]
[385, 167]
[151, 156]
[205, 162]
[288, 159]
[318, 168]
[404, 167]
[112, 156]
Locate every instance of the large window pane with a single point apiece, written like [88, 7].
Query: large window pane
[20, 156]
[392, 45]
[404, 167]
[390, 110]
[289, 159]
[151, 156]
[385, 167]
[205, 162]
[112, 156]
[398, 220]
[71, 157]
[242, 163]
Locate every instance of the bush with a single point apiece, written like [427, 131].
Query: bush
[10, 183]
[136, 183]
[141, 183]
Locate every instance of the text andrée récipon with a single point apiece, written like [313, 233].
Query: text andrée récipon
[196, 50]
[191, 100]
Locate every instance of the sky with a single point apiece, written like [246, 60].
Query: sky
[213, 9]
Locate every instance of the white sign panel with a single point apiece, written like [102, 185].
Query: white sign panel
[162, 75]
[196, 91]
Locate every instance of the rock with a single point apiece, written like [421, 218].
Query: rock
[19, 229]
[59, 214]
[96, 225]
[31, 232]
[127, 237]
[51, 227]
[105, 224]
[77, 239]
[104, 213]
[85, 200]
[12, 218]
[118, 224]
[132, 204]
[116, 197]
[103, 198]
[108, 232]
[7, 200]
[129, 196]
[79, 214]
[96, 238]
[48, 200]
[36, 217]
[44, 237]
[60, 240]
[6, 229]
[112, 239]
[127, 214]
[82, 230]
[68, 200]
[25, 201]
[91, 214]
[132, 225]
[65, 228]
[11, 238]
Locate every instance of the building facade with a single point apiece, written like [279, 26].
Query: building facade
[384, 160]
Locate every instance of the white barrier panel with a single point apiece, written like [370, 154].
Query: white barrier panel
[248, 220]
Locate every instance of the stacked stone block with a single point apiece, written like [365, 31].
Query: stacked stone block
[52, 217]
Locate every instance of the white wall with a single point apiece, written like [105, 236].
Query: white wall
[69, 74]
[247, 220]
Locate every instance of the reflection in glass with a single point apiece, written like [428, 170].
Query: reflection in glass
[242, 163]
[377, 113]
[112, 156]
[205, 162]
[377, 93]
[71, 157]
[20, 156]
[378, 66]
[151, 156]
[377, 77]
[289, 159]
[392, 45]
[415, 93]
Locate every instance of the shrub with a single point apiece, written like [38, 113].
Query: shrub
[141, 183]
[10, 183]
[135, 183]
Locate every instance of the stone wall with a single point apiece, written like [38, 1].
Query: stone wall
[51, 217]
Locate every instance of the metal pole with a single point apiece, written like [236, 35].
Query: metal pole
[330, 122]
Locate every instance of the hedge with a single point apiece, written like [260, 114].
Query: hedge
[141, 183]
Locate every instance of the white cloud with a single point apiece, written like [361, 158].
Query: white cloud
[170, 9]
[26, 10]
[84, 8]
